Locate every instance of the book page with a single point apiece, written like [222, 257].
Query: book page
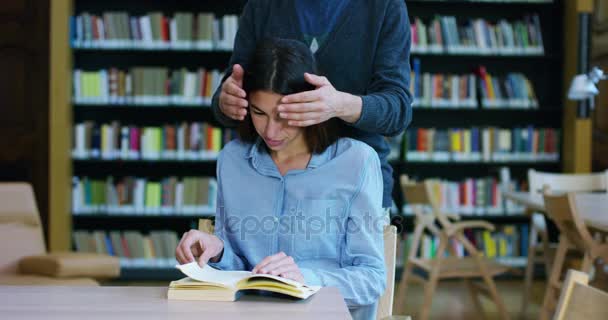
[229, 278]
[210, 274]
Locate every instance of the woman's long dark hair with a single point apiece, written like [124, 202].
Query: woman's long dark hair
[278, 65]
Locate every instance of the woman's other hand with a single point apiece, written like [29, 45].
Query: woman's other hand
[281, 265]
[199, 246]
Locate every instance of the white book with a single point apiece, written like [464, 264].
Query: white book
[146, 31]
[124, 143]
[76, 196]
[77, 84]
[140, 195]
[189, 87]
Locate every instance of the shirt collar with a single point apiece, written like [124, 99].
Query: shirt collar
[261, 160]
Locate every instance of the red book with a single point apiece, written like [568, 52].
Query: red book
[134, 138]
[201, 75]
[421, 139]
[164, 28]
[209, 136]
[94, 28]
[463, 196]
[170, 139]
[413, 31]
[125, 247]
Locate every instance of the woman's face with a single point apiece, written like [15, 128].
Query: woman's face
[275, 131]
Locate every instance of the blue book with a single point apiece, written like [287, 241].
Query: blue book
[109, 245]
[530, 139]
[475, 138]
[418, 80]
[523, 236]
[72, 31]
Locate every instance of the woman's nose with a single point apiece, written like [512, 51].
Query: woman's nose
[273, 128]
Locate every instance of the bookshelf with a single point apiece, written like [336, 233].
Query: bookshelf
[542, 68]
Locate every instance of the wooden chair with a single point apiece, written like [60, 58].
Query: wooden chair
[540, 251]
[573, 235]
[385, 304]
[580, 301]
[24, 259]
[419, 195]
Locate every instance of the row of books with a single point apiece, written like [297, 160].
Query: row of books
[142, 196]
[183, 141]
[153, 31]
[508, 241]
[145, 86]
[473, 196]
[133, 248]
[512, 91]
[446, 34]
[481, 144]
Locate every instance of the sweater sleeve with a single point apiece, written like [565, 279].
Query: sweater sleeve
[244, 45]
[386, 108]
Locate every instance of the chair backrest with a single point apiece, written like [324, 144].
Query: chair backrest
[562, 210]
[385, 304]
[580, 301]
[205, 225]
[537, 180]
[420, 195]
[20, 229]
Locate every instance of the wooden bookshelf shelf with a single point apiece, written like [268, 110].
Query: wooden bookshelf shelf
[180, 224]
[155, 115]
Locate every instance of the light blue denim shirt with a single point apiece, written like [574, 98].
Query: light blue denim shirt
[328, 217]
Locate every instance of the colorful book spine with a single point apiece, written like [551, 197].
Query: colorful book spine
[153, 31]
[470, 36]
[167, 142]
[156, 249]
[143, 196]
[145, 86]
[482, 144]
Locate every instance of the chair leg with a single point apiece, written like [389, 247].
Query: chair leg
[529, 275]
[429, 291]
[587, 263]
[550, 292]
[399, 305]
[475, 298]
[544, 238]
[502, 310]
[429, 288]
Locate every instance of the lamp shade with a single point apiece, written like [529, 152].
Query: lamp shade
[582, 88]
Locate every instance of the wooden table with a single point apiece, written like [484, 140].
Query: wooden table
[593, 207]
[115, 303]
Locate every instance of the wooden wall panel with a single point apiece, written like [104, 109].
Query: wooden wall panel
[600, 58]
[24, 95]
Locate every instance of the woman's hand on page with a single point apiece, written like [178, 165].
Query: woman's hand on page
[233, 102]
[199, 246]
[281, 265]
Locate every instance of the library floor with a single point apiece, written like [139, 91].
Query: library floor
[452, 300]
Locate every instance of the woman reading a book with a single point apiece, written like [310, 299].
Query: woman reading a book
[297, 202]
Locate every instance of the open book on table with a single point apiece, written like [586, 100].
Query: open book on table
[207, 283]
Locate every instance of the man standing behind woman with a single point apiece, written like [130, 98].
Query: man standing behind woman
[362, 49]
